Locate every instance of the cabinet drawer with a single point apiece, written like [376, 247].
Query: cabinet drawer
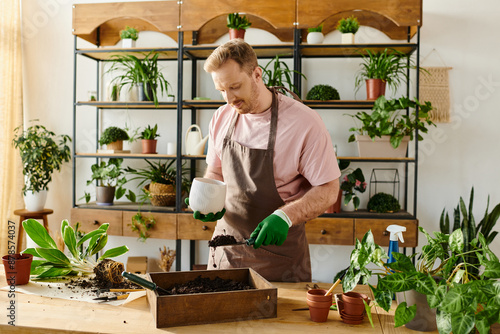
[91, 219]
[330, 231]
[381, 236]
[189, 228]
[165, 227]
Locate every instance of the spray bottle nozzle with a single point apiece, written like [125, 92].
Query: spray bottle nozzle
[396, 232]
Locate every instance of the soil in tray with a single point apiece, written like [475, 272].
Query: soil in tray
[205, 284]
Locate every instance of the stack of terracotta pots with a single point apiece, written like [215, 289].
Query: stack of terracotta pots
[351, 307]
[319, 304]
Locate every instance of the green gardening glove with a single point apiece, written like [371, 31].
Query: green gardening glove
[209, 217]
[271, 231]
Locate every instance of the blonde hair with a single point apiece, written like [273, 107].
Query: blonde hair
[235, 49]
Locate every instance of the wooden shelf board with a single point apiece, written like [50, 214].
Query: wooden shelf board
[354, 50]
[339, 104]
[110, 53]
[367, 214]
[128, 105]
[370, 159]
[137, 156]
[262, 51]
[128, 206]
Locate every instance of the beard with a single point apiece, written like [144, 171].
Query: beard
[251, 104]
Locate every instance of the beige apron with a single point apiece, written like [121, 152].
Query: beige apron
[251, 197]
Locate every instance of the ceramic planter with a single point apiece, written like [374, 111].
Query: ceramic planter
[17, 268]
[381, 147]
[315, 37]
[104, 195]
[128, 43]
[425, 318]
[349, 207]
[319, 304]
[237, 33]
[149, 146]
[129, 93]
[35, 201]
[347, 38]
[374, 89]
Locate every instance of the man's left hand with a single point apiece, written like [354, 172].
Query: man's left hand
[271, 231]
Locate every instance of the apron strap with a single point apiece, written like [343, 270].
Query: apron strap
[280, 89]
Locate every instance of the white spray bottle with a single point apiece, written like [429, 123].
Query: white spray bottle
[396, 232]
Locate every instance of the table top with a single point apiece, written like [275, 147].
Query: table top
[24, 212]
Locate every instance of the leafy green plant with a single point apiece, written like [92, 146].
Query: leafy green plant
[462, 301]
[386, 120]
[389, 65]
[112, 134]
[42, 153]
[348, 25]
[129, 32]
[352, 182]
[55, 263]
[276, 73]
[382, 202]
[133, 134]
[323, 93]
[138, 71]
[150, 133]
[316, 29]
[235, 21]
[142, 225]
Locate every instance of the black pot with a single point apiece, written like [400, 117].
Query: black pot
[142, 93]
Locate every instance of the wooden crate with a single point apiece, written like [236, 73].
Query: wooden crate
[204, 308]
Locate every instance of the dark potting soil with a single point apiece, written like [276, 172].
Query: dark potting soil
[222, 240]
[205, 284]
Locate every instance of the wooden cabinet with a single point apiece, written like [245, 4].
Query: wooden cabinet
[189, 228]
[381, 236]
[165, 227]
[330, 231]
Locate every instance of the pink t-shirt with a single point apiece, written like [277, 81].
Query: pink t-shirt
[303, 153]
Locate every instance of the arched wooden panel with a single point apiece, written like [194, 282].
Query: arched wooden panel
[196, 13]
[404, 13]
[107, 19]
[214, 29]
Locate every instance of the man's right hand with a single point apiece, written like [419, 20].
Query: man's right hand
[209, 217]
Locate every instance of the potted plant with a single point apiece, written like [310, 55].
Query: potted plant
[378, 69]
[462, 301]
[109, 182]
[315, 35]
[383, 203]
[113, 138]
[141, 74]
[323, 93]
[128, 36]
[348, 28]
[42, 153]
[276, 73]
[148, 139]
[237, 25]
[352, 182]
[385, 131]
[159, 180]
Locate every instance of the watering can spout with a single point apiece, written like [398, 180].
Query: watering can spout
[195, 143]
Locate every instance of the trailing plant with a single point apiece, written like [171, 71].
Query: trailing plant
[323, 93]
[42, 153]
[150, 133]
[389, 65]
[133, 134]
[382, 202]
[316, 29]
[354, 181]
[143, 71]
[276, 73]
[235, 21]
[129, 32]
[79, 262]
[142, 225]
[112, 134]
[386, 119]
[462, 301]
[348, 25]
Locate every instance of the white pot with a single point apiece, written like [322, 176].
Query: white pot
[128, 43]
[381, 147]
[129, 93]
[348, 38]
[170, 98]
[349, 207]
[315, 38]
[35, 201]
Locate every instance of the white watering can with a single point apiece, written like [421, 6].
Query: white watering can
[195, 143]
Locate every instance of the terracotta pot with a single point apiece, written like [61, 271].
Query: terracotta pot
[104, 195]
[353, 303]
[319, 304]
[237, 33]
[374, 88]
[17, 268]
[149, 146]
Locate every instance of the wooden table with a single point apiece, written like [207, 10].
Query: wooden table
[36, 314]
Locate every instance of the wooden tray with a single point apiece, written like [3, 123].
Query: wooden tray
[205, 308]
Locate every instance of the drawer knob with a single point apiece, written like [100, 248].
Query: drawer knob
[323, 232]
[385, 233]
[204, 227]
[96, 222]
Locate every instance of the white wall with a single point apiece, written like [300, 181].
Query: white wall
[453, 158]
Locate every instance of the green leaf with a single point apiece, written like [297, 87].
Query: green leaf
[99, 244]
[38, 234]
[435, 300]
[456, 241]
[402, 263]
[383, 298]
[53, 255]
[89, 235]
[31, 251]
[114, 252]
[70, 241]
[398, 282]
[55, 272]
[491, 270]
[462, 323]
[443, 321]
[457, 300]
[404, 314]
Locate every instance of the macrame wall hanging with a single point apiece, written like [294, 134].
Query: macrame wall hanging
[435, 88]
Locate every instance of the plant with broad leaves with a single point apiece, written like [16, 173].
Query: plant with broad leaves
[55, 263]
[462, 301]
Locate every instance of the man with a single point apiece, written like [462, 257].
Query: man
[278, 162]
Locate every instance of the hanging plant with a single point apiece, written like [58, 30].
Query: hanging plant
[142, 225]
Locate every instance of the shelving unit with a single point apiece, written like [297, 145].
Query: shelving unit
[191, 20]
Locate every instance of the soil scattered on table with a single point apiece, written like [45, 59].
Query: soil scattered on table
[220, 240]
[205, 284]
